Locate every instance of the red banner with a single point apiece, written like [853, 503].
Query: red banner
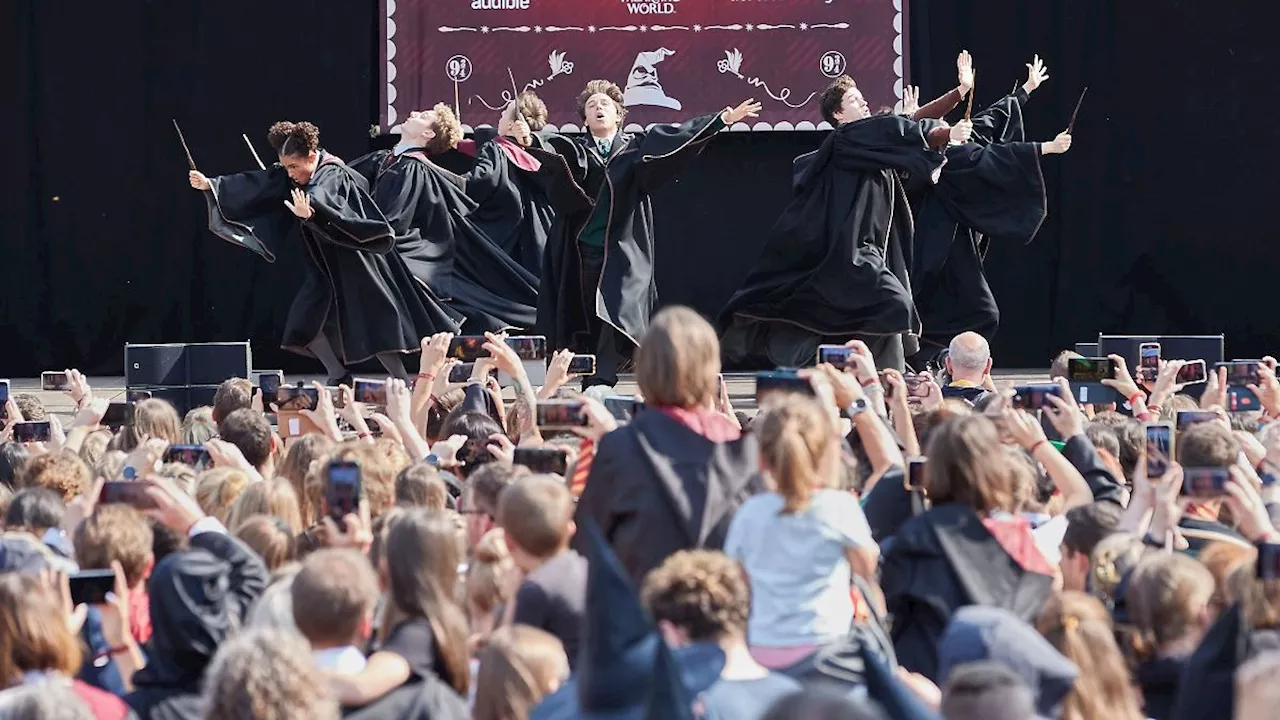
[675, 59]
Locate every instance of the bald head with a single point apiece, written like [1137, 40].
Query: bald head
[969, 357]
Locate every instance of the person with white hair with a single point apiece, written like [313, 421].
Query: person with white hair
[968, 364]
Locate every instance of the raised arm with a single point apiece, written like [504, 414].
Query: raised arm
[948, 102]
[665, 150]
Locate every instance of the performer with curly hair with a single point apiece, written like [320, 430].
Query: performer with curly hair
[358, 299]
[437, 227]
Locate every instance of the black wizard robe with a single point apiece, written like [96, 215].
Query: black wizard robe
[430, 213]
[638, 164]
[836, 263]
[509, 184]
[991, 187]
[355, 288]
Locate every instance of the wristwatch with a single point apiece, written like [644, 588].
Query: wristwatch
[858, 407]
[129, 473]
[432, 459]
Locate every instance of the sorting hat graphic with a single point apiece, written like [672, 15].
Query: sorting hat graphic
[643, 87]
[625, 670]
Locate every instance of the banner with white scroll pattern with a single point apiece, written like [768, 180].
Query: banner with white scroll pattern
[675, 59]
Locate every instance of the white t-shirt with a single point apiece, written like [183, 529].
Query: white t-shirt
[800, 577]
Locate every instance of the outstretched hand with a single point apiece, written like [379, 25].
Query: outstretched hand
[964, 72]
[746, 109]
[1058, 145]
[910, 100]
[198, 180]
[301, 205]
[1037, 72]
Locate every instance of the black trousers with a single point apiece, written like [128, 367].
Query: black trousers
[611, 347]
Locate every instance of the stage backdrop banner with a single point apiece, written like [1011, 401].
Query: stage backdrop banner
[675, 59]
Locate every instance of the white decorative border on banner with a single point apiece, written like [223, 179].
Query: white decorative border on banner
[393, 116]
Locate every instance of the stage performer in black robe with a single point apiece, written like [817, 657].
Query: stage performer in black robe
[597, 289]
[835, 266]
[509, 181]
[991, 187]
[431, 214]
[358, 299]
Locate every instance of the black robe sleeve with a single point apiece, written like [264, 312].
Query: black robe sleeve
[247, 209]
[666, 150]
[872, 144]
[565, 163]
[345, 214]
[488, 174]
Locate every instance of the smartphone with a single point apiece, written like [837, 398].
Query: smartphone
[529, 347]
[1204, 483]
[297, 397]
[190, 455]
[371, 392]
[781, 381]
[335, 397]
[555, 414]
[342, 490]
[1186, 418]
[915, 473]
[269, 382]
[916, 384]
[1159, 448]
[1268, 567]
[468, 348]
[137, 396]
[837, 355]
[543, 460]
[582, 365]
[1090, 370]
[1241, 373]
[623, 407]
[1192, 373]
[32, 432]
[127, 493]
[1034, 397]
[118, 415]
[461, 372]
[4, 399]
[90, 587]
[1149, 361]
[51, 381]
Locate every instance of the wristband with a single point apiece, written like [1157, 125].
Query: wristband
[427, 376]
[1036, 447]
[1153, 409]
[364, 435]
[870, 382]
[1134, 398]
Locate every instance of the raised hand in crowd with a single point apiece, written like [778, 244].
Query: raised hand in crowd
[324, 416]
[1268, 389]
[501, 448]
[115, 614]
[899, 399]
[557, 374]
[226, 455]
[78, 388]
[1166, 383]
[59, 585]
[399, 418]
[356, 532]
[446, 450]
[600, 421]
[174, 508]
[1215, 389]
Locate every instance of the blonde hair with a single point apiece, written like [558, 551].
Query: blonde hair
[295, 466]
[152, 418]
[218, 489]
[678, 361]
[274, 497]
[270, 538]
[1112, 557]
[1222, 559]
[267, 675]
[798, 449]
[520, 666]
[33, 632]
[1166, 597]
[1080, 628]
[489, 566]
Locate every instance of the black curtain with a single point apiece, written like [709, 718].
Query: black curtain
[105, 241]
[1158, 217]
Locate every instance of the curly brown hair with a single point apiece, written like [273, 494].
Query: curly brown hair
[603, 87]
[831, 99]
[703, 592]
[448, 130]
[294, 139]
[532, 110]
[62, 472]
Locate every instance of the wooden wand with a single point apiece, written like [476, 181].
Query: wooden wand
[185, 149]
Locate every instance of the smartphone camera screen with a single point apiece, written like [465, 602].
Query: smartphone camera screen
[1187, 418]
[371, 392]
[270, 384]
[91, 587]
[297, 398]
[915, 473]
[1159, 449]
[194, 456]
[1204, 483]
[582, 365]
[1149, 361]
[1268, 567]
[1192, 373]
[55, 382]
[133, 494]
[468, 348]
[461, 372]
[342, 491]
[781, 381]
[837, 355]
[1090, 370]
[543, 460]
[118, 415]
[561, 414]
[1034, 397]
[532, 347]
[623, 407]
[32, 432]
[1241, 373]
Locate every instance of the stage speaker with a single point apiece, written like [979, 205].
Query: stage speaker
[1209, 348]
[211, 363]
[157, 365]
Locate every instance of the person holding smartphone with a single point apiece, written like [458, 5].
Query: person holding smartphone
[358, 299]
